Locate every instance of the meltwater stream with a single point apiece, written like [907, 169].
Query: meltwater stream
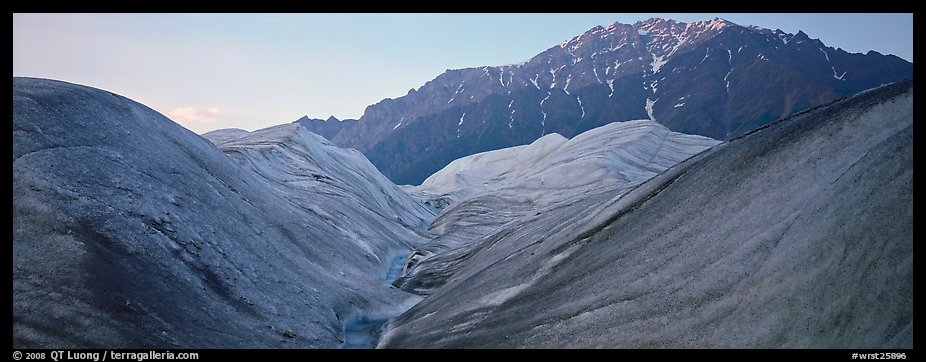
[363, 331]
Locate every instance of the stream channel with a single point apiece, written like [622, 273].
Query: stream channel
[363, 331]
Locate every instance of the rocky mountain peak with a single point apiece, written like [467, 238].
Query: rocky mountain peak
[691, 77]
[801, 35]
[664, 38]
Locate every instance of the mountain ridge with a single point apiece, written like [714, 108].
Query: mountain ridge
[712, 78]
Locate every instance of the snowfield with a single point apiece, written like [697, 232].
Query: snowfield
[497, 192]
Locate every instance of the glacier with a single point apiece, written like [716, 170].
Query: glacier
[796, 235]
[130, 231]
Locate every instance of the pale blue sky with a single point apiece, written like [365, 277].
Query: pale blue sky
[210, 71]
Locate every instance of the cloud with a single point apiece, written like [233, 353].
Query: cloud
[195, 116]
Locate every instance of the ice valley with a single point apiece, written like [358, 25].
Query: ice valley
[130, 231]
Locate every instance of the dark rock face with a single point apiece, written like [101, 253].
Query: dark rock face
[711, 78]
[328, 128]
[796, 235]
[130, 231]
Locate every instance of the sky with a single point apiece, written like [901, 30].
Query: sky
[250, 71]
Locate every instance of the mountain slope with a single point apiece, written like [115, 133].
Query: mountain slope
[130, 231]
[711, 78]
[796, 235]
